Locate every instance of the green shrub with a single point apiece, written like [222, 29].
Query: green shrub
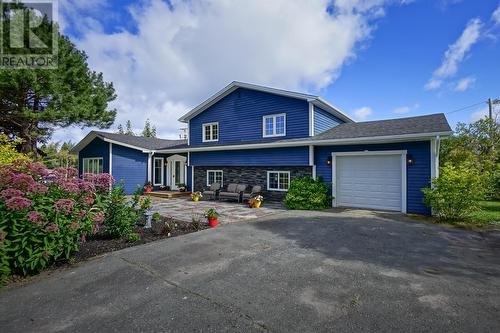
[456, 193]
[45, 214]
[133, 237]
[307, 193]
[121, 215]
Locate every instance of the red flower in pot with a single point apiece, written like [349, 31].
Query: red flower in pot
[147, 187]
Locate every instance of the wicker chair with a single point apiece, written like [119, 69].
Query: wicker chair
[213, 191]
[256, 190]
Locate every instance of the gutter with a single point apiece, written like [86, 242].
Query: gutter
[328, 142]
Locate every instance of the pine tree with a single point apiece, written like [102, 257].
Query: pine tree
[120, 129]
[128, 127]
[149, 131]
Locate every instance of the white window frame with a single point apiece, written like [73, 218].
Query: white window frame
[92, 158]
[222, 177]
[162, 170]
[204, 138]
[278, 172]
[273, 117]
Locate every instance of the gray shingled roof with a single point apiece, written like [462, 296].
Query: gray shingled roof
[141, 141]
[433, 123]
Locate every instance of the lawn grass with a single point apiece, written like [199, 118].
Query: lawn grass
[489, 213]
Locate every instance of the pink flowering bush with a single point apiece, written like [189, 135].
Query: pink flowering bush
[45, 214]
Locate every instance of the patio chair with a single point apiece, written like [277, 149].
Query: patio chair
[213, 191]
[233, 191]
[256, 190]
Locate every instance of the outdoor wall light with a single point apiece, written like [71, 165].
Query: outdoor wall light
[409, 160]
[329, 161]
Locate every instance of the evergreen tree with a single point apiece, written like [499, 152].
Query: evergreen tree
[149, 131]
[129, 130]
[33, 102]
[120, 129]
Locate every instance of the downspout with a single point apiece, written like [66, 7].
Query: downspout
[438, 145]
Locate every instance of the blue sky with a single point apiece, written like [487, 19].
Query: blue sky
[374, 59]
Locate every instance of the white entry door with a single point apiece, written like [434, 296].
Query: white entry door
[371, 181]
[176, 165]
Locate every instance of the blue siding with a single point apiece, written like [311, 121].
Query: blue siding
[418, 174]
[129, 165]
[290, 156]
[324, 120]
[96, 148]
[240, 117]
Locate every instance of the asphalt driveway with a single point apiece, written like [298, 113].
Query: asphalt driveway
[302, 272]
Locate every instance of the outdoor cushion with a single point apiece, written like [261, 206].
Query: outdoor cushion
[231, 188]
[241, 188]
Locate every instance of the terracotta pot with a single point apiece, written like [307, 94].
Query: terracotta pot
[213, 221]
[256, 204]
[148, 189]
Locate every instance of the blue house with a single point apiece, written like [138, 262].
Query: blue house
[257, 135]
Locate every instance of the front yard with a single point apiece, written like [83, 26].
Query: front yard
[489, 213]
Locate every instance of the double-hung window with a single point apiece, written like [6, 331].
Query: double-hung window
[210, 132]
[214, 176]
[92, 165]
[278, 180]
[158, 171]
[274, 125]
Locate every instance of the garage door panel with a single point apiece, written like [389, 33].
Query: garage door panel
[369, 181]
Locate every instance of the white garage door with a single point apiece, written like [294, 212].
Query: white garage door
[369, 181]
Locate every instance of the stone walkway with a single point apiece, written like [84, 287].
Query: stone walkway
[185, 209]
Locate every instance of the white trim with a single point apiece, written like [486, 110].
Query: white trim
[314, 172]
[204, 139]
[91, 158]
[162, 171]
[438, 151]
[331, 142]
[110, 159]
[149, 166]
[311, 119]
[213, 170]
[279, 172]
[372, 153]
[188, 159]
[273, 116]
[311, 155]
[432, 147]
[192, 178]
[189, 132]
[235, 85]
[177, 157]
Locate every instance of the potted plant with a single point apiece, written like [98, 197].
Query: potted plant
[212, 216]
[147, 187]
[181, 187]
[196, 196]
[257, 201]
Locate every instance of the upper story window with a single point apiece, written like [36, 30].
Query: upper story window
[274, 125]
[92, 165]
[210, 132]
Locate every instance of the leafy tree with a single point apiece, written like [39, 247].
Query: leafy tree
[120, 129]
[129, 130]
[149, 131]
[34, 101]
[8, 151]
[477, 146]
[57, 155]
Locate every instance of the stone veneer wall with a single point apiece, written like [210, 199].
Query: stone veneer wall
[250, 176]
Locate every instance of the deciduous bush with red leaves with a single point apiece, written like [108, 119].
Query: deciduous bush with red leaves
[46, 214]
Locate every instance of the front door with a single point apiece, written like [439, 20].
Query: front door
[176, 174]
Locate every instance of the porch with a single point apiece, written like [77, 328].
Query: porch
[184, 209]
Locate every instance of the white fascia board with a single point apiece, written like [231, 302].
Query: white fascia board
[331, 142]
[327, 106]
[127, 145]
[232, 87]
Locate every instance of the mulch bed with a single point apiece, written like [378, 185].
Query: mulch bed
[100, 245]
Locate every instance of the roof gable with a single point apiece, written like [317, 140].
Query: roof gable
[135, 142]
[233, 86]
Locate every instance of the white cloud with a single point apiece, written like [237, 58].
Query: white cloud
[456, 54]
[464, 83]
[496, 15]
[362, 113]
[406, 109]
[182, 52]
